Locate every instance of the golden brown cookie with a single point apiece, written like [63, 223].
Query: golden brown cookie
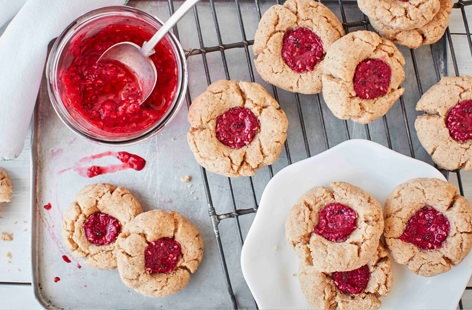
[95, 219]
[290, 44]
[362, 76]
[336, 228]
[400, 14]
[6, 188]
[356, 289]
[157, 252]
[445, 131]
[236, 128]
[427, 34]
[428, 226]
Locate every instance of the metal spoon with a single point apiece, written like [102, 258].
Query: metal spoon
[137, 59]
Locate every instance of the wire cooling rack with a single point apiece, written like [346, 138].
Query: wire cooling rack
[313, 129]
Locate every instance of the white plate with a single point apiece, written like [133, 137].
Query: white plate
[270, 265]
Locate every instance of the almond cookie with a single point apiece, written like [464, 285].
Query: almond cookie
[362, 74]
[400, 14]
[94, 221]
[427, 34]
[291, 42]
[445, 131]
[428, 226]
[236, 128]
[157, 252]
[6, 188]
[336, 228]
[356, 289]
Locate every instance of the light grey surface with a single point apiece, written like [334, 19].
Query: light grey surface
[169, 159]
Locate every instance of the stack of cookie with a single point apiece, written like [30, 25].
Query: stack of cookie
[336, 232]
[155, 252]
[411, 23]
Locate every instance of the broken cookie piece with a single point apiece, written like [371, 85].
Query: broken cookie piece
[6, 188]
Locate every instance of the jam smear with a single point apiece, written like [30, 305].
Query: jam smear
[352, 282]
[132, 160]
[427, 229]
[101, 228]
[302, 49]
[57, 279]
[66, 259]
[106, 94]
[372, 78]
[459, 121]
[336, 222]
[48, 206]
[162, 255]
[237, 127]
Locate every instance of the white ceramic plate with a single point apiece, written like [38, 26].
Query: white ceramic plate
[270, 265]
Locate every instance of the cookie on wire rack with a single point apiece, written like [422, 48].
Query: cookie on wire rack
[445, 130]
[362, 76]
[291, 42]
[236, 128]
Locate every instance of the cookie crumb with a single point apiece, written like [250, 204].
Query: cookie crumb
[9, 255]
[186, 179]
[7, 236]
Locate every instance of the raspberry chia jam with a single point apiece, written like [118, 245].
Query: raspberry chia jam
[100, 100]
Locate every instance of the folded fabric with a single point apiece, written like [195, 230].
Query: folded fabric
[23, 50]
[8, 9]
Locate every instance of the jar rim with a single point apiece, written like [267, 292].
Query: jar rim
[77, 125]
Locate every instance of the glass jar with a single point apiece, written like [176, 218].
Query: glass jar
[68, 47]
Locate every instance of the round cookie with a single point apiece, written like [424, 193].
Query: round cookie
[236, 128]
[95, 219]
[362, 74]
[445, 131]
[428, 226]
[336, 228]
[400, 14]
[157, 252]
[290, 44]
[427, 34]
[356, 289]
[6, 188]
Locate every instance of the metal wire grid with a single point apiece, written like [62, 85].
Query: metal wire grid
[440, 69]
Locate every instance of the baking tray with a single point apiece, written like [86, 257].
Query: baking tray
[217, 36]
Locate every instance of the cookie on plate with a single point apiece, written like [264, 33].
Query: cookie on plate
[6, 188]
[360, 288]
[290, 44]
[427, 34]
[445, 131]
[157, 252]
[236, 128]
[95, 219]
[400, 14]
[362, 76]
[428, 226]
[335, 228]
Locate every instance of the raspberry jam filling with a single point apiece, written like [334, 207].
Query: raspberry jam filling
[237, 127]
[372, 78]
[352, 282]
[427, 229]
[302, 49]
[106, 94]
[336, 222]
[459, 121]
[162, 255]
[101, 228]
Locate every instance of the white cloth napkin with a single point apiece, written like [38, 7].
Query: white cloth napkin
[23, 49]
[8, 9]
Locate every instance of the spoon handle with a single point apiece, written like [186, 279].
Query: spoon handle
[148, 47]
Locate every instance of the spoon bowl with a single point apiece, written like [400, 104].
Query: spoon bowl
[136, 58]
